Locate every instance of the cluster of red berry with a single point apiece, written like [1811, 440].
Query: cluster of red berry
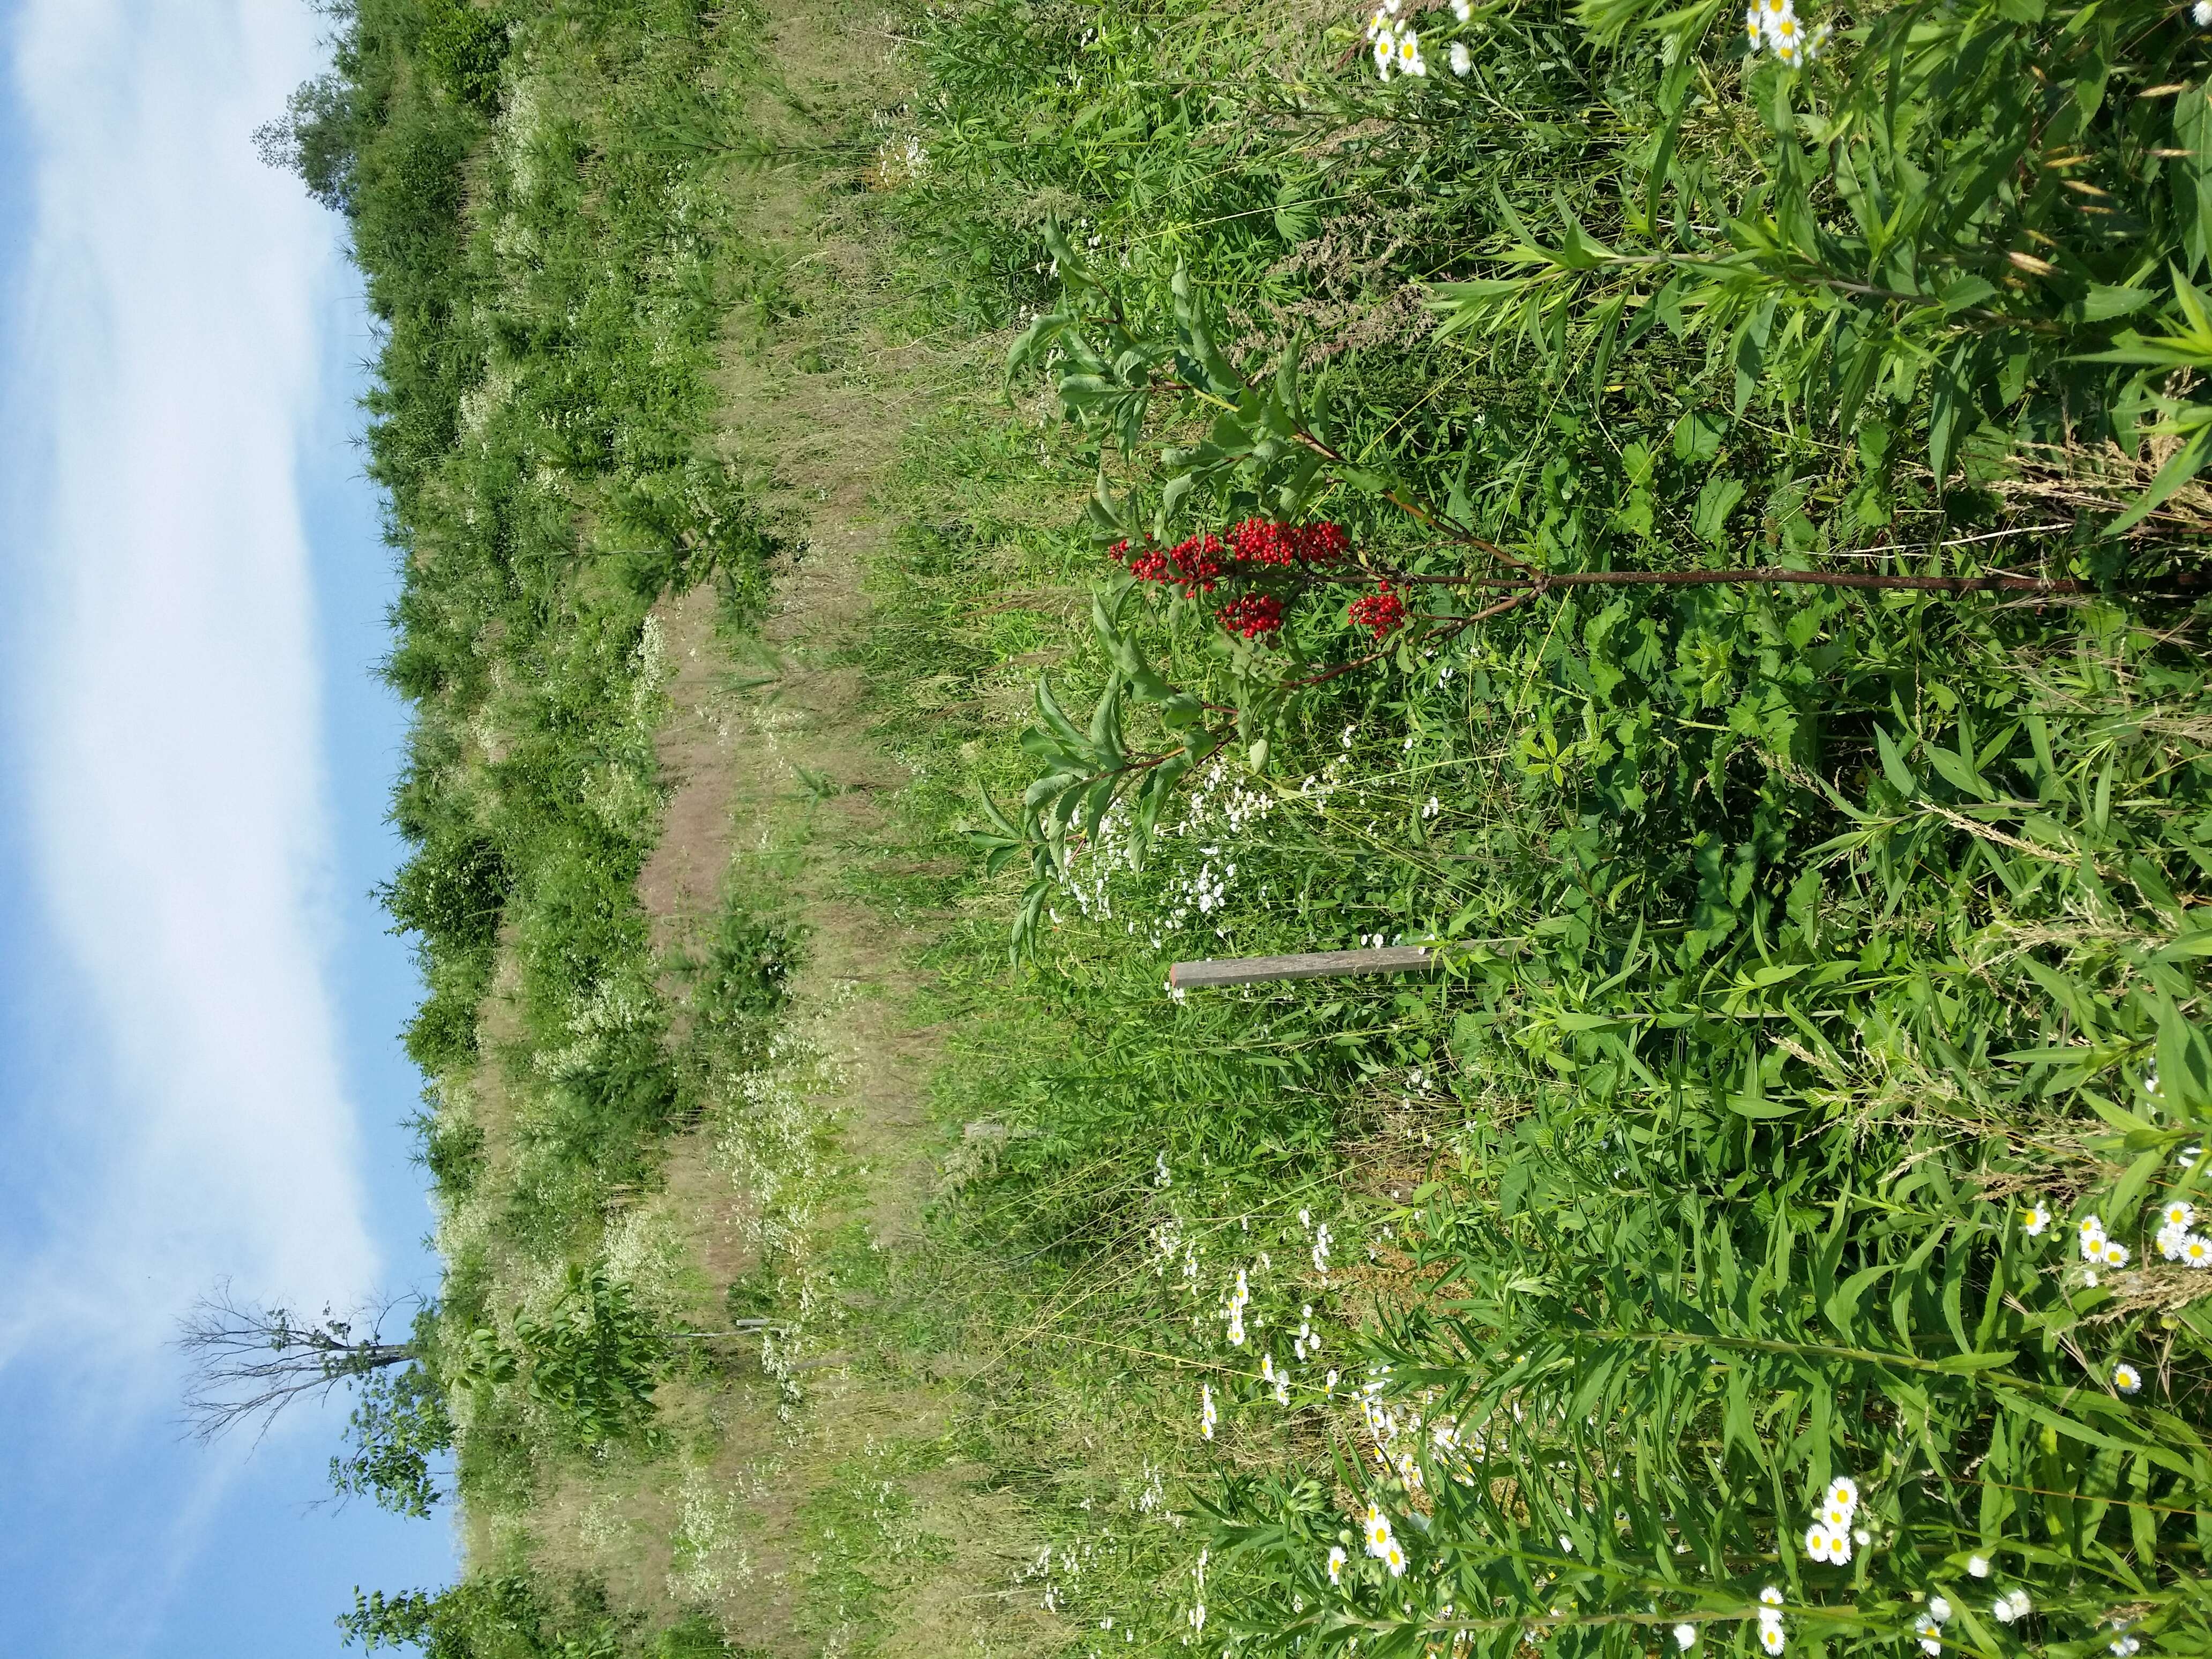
[1382, 610]
[1252, 616]
[1195, 564]
[1257, 541]
[1249, 551]
[1198, 563]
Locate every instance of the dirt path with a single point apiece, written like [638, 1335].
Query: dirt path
[850, 1521]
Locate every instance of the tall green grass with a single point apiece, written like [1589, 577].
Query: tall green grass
[1815, 959]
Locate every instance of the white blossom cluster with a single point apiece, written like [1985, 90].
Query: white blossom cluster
[1397, 45]
[1834, 1530]
[2175, 1242]
[1773, 24]
[1926, 1626]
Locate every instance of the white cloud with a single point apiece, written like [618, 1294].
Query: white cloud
[165, 364]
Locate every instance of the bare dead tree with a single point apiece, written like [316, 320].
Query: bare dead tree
[250, 1361]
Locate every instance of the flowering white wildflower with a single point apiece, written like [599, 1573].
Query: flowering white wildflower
[1197, 1615]
[1939, 1609]
[1376, 1525]
[2126, 1378]
[1462, 61]
[1925, 1627]
[2035, 1221]
[1207, 1417]
[1385, 54]
[1321, 1248]
[2091, 1231]
[2178, 1212]
[1462, 10]
[2013, 1604]
[1336, 1560]
[2169, 1242]
[2126, 1647]
[1827, 1543]
[1843, 1493]
[2195, 1252]
[1686, 1636]
[1771, 1637]
[1770, 1597]
[1161, 1178]
[1410, 61]
[1395, 1558]
[2114, 1254]
[1977, 1567]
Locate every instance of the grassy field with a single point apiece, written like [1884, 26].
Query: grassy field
[914, 522]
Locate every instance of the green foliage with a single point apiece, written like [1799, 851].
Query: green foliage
[1800, 943]
[594, 1357]
[745, 981]
[507, 1616]
[461, 47]
[399, 1425]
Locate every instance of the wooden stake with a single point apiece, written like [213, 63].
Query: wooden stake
[1314, 964]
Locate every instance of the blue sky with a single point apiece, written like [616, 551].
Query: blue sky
[199, 1072]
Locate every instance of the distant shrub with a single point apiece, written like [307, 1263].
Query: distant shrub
[450, 893]
[462, 48]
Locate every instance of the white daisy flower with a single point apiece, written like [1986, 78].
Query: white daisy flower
[2091, 1231]
[2170, 1241]
[1377, 1526]
[1410, 61]
[1463, 60]
[2035, 1221]
[2178, 1212]
[1770, 1597]
[1843, 1493]
[1336, 1560]
[2020, 1604]
[1939, 1609]
[2126, 1378]
[1207, 1415]
[1977, 1567]
[2114, 1254]
[1686, 1636]
[1395, 1558]
[1462, 10]
[1821, 1541]
[2196, 1251]
[1771, 1638]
